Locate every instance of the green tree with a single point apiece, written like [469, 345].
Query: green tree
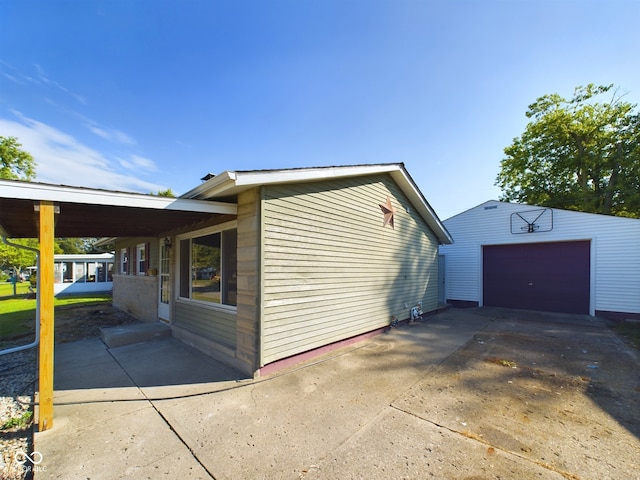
[577, 154]
[75, 245]
[17, 259]
[15, 163]
[166, 193]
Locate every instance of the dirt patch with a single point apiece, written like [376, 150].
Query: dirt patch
[74, 323]
[562, 395]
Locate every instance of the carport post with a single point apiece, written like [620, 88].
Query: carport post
[45, 299]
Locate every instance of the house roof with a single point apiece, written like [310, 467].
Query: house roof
[85, 212]
[494, 203]
[229, 184]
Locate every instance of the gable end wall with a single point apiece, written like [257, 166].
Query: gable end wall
[332, 271]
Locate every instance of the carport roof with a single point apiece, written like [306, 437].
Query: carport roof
[87, 212]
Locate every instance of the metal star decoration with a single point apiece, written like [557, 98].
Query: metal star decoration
[389, 212]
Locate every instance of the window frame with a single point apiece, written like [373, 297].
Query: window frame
[141, 258]
[189, 236]
[124, 261]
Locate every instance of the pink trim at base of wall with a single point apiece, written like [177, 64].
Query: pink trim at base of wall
[302, 357]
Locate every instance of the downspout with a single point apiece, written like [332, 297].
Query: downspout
[37, 339]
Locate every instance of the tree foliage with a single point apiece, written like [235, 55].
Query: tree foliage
[76, 245]
[577, 154]
[166, 193]
[15, 163]
[17, 259]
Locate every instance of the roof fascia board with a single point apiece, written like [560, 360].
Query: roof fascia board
[230, 182]
[56, 193]
[214, 186]
[256, 178]
[410, 189]
[83, 256]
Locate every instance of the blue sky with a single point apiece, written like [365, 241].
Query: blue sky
[147, 95]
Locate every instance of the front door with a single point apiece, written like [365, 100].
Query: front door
[164, 275]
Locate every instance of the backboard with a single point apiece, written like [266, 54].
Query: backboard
[532, 221]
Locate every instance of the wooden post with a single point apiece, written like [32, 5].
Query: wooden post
[45, 299]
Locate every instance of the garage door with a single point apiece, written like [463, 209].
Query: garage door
[551, 277]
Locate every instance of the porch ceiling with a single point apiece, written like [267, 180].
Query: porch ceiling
[97, 213]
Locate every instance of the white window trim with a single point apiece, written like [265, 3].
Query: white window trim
[123, 255]
[200, 233]
[141, 247]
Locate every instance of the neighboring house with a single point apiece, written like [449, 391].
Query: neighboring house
[314, 257]
[536, 258]
[83, 273]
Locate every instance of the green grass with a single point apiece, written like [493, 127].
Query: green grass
[6, 289]
[630, 331]
[20, 422]
[18, 314]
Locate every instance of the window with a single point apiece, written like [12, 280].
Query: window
[208, 270]
[124, 261]
[141, 259]
[101, 272]
[91, 272]
[80, 272]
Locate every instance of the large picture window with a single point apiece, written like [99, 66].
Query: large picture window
[208, 270]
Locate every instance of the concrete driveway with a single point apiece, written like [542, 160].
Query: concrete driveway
[447, 398]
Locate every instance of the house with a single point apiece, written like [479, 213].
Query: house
[45, 211]
[82, 273]
[312, 258]
[548, 259]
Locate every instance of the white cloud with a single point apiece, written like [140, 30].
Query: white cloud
[47, 81]
[139, 164]
[12, 78]
[109, 134]
[61, 159]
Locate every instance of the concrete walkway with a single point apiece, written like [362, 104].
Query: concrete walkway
[163, 410]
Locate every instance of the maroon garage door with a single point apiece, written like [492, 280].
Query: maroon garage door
[551, 277]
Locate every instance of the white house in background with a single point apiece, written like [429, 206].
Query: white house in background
[84, 273]
[537, 258]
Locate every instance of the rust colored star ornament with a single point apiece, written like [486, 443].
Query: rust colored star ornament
[389, 212]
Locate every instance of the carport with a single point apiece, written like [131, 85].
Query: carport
[44, 211]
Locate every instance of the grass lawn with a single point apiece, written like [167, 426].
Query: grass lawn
[18, 314]
[629, 330]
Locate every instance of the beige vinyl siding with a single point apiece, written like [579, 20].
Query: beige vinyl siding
[211, 323]
[331, 270]
[248, 329]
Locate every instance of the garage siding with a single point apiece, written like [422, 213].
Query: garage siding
[615, 251]
[331, 270]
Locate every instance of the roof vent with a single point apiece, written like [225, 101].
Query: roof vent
[208, 176]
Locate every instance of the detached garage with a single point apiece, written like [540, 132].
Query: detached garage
[536, 258]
